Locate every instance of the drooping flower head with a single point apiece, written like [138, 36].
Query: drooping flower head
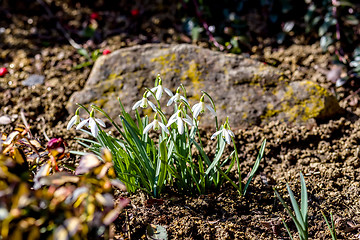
[177, 98]
[200, 108]
[225, 132]
[156, 125]
[144, 102]
[75, 120]
[159, 89]
[180, 118]
[91, 123]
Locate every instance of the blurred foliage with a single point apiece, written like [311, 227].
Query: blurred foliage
[237, 24]
[62, 205]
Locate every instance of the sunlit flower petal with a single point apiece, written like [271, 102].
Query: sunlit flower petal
[155, 125]
[83, 123]
[137, 104]
[148, 127]
[226, 135]
[100, 122]
[74, 120]
[215, 134]
[180, 124]
[200, 108]
[93, 127]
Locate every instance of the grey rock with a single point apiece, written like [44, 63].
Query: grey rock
[4, 120]
[247, 91]
[33, 80]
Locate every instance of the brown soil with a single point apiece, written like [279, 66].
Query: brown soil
[327, 153]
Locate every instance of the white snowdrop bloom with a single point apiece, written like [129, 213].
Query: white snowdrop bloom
[225, 132]
[176, 98]
[75, 120]
[156, 125]
[159, 89]
[180, 120]
[144, 103]
[91, 123]
[200, 108]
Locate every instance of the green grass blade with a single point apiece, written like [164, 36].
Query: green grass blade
[287, 229]
[256, 166]
[297, 223]
[218, 155]
[296, 209]
[304, 201]
[331, 227]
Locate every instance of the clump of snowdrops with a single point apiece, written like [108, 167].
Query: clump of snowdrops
[142, 162]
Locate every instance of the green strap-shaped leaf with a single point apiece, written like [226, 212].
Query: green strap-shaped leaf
[256, 166]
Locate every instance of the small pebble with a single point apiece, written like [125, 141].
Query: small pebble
[33, 80]
[4, 120]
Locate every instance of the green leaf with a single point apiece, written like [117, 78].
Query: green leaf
[256, 166]
[304, 200]
[84, 52]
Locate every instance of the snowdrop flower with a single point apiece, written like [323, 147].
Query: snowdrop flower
[225, 132]
[176, 98]
[144, 102]
[74, 120]
[91, 123]
[159, 90]
[200, 108]
[180, 120]
[156, 126]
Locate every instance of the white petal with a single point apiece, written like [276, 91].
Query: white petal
[180, 124]
[184, 99]
[152, 90]
[137, 104]
[195, 106]
[168, 92]
[188, 120]
[211, 109]
[215, 134]
[159, 92]
[83, 123]
[164, 127]
[174, 116]
[99, 121]
[197, 110]
[171, 121]
[93, 127]
[148, 127]
[71, 122]
[231, 133]
[171, 100]
[226, 135]
[152, 106]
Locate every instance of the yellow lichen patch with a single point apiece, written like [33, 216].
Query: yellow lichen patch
[100, 102]
[168, 63]
[194, 75]
[296, 109]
